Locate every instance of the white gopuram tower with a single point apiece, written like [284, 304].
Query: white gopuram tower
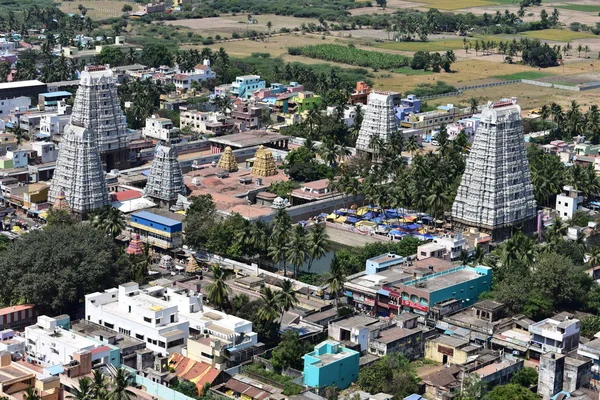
[379, 121]
[495, 194]
[165, 181]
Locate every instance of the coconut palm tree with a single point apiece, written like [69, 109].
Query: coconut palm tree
[270, 310]
[286, 297]
[317, 243]
[99, 385]
[412, 145]
[297, 249]
[594, 257]
[335, 279]
[120, 383]
[217, 292]
[84, 392]
[31, 394]
[109, 220]
[269, 26]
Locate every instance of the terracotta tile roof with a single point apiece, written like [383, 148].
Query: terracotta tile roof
[100, 349]
[180, 77]
[194, 371]
[126, 195]
[201, 66]
[20, 307]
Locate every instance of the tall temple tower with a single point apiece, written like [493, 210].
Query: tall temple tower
[78, 178]
[165, 181]
[379, 121]
[97, 108]
[495, 193]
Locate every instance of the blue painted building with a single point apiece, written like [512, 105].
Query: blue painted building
[409, 105]
[244, 86]
[330, 364]
[158, 231]
[51, 99]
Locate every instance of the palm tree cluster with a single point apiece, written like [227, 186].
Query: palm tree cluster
[100, 387]
[571, 122]
[276, 302]
[283, 243]
[144, 96]
[429, 185]
[509, 48]
[108, 219]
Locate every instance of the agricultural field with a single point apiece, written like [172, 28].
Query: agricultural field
[522, 75]
[98, 9]
[460, 4]
[581, 7]
[351, 56]
[432, 45]
[558, 35]
[226, 25]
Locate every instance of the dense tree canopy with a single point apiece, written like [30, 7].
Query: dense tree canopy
[55, 267]
[391, 374]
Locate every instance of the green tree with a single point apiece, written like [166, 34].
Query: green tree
[99, 385]
[512, 392]
[289, 351]
[127, 8]
[590, 326]
[391, 374]
[186, 387]
[286, 297]
[317, 243]
[4, 72]
[109, 220]
[84, 392]
[526, 377]
[200, 218]
[217, 292]
[56, 267]
[31, 393]
[335, 279]
[270, 309]
[120, 386]
[111, 55]
[59, 217]
[297, 249]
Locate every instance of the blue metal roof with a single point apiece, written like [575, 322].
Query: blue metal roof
[159, 219]
[383, 292]
[57, 94]
[55, 369]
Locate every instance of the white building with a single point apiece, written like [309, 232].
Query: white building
[454, 243]
[53, 124]
[201, 72]
[162, 317]
[45, 150]
[159, 128]
[200, 121]
[18, 104]
[568, 202]
[559, 334]
[49, 344]
[349, 114]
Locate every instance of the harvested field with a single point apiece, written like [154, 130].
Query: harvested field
[573, 80]
[227, 25]
[98, 9]
[434, 45]
[558, 35]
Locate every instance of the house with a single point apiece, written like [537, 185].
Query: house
[406, 337]
[205, 122]
[248, 116]
[16, 378]
[88, 57]
[159, 128]
[568, 202]
[431, 120]
[15, 104]
[19, 157]
[244, 86]
[200, 373]
[30, 88]
[158, 231]
[455, 244]
[443, 383]
[559, 334]
[383, 262]
[449, 350]
[246, 388]
[49, 345]
[46, 152]
[306, 101]
[8, 141]
[356, 331]
[51, 99]
[312, 191]
[17, 316]
[53, 124]
[165, 317]
[330, 364]
[486, 317]
[360, 94]
[152, 8]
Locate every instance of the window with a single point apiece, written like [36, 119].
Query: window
[172, 317]
[148, 320]
[125, 331]
[138, 336]
[129, 309]
[157, 321]
[161, 344]
[174, 343]
[109, 325]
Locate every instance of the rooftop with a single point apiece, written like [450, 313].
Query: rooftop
[442, 280]
[12, 309]
[249, 138]
[156, 218]
[357, 321]
[13, 371]
[393, 334]
[20, 84]
[451, 341]
[492, 368]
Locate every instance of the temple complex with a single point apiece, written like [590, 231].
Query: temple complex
[79, 175]
[379, 121]
[165, 181]
[264, 163]
[97, 108]
[496, 194]
[227, 161]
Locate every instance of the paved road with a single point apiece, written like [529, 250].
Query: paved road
[347, 238]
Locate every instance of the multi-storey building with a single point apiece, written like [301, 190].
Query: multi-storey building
[559, 334]
[159, 128]
[330, 364]
[495, 193]
[432, 120]
[568, 202]
[156, 230]
[245, 86]
[205, 122]
[164, 317]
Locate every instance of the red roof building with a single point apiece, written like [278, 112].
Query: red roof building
[17, 316]
[194, 371]
[126, 195]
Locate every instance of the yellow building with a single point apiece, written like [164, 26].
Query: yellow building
[36, 194]
[17, 378]
[449, 350]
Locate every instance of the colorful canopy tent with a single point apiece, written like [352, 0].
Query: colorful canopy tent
[340, 220]
[339, 212]
[362, 211]
[396, 232]
[322, 215]
[351, 220]
[332, 216]
[368, 224]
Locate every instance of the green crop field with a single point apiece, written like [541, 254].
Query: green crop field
[581, 7]
[439, 45]
[522, 75]
[559, 35]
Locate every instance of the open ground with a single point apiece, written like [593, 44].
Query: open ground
[226, 25]
[97, 9]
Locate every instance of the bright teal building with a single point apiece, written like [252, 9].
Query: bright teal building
[330, 364]
[244, 86]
